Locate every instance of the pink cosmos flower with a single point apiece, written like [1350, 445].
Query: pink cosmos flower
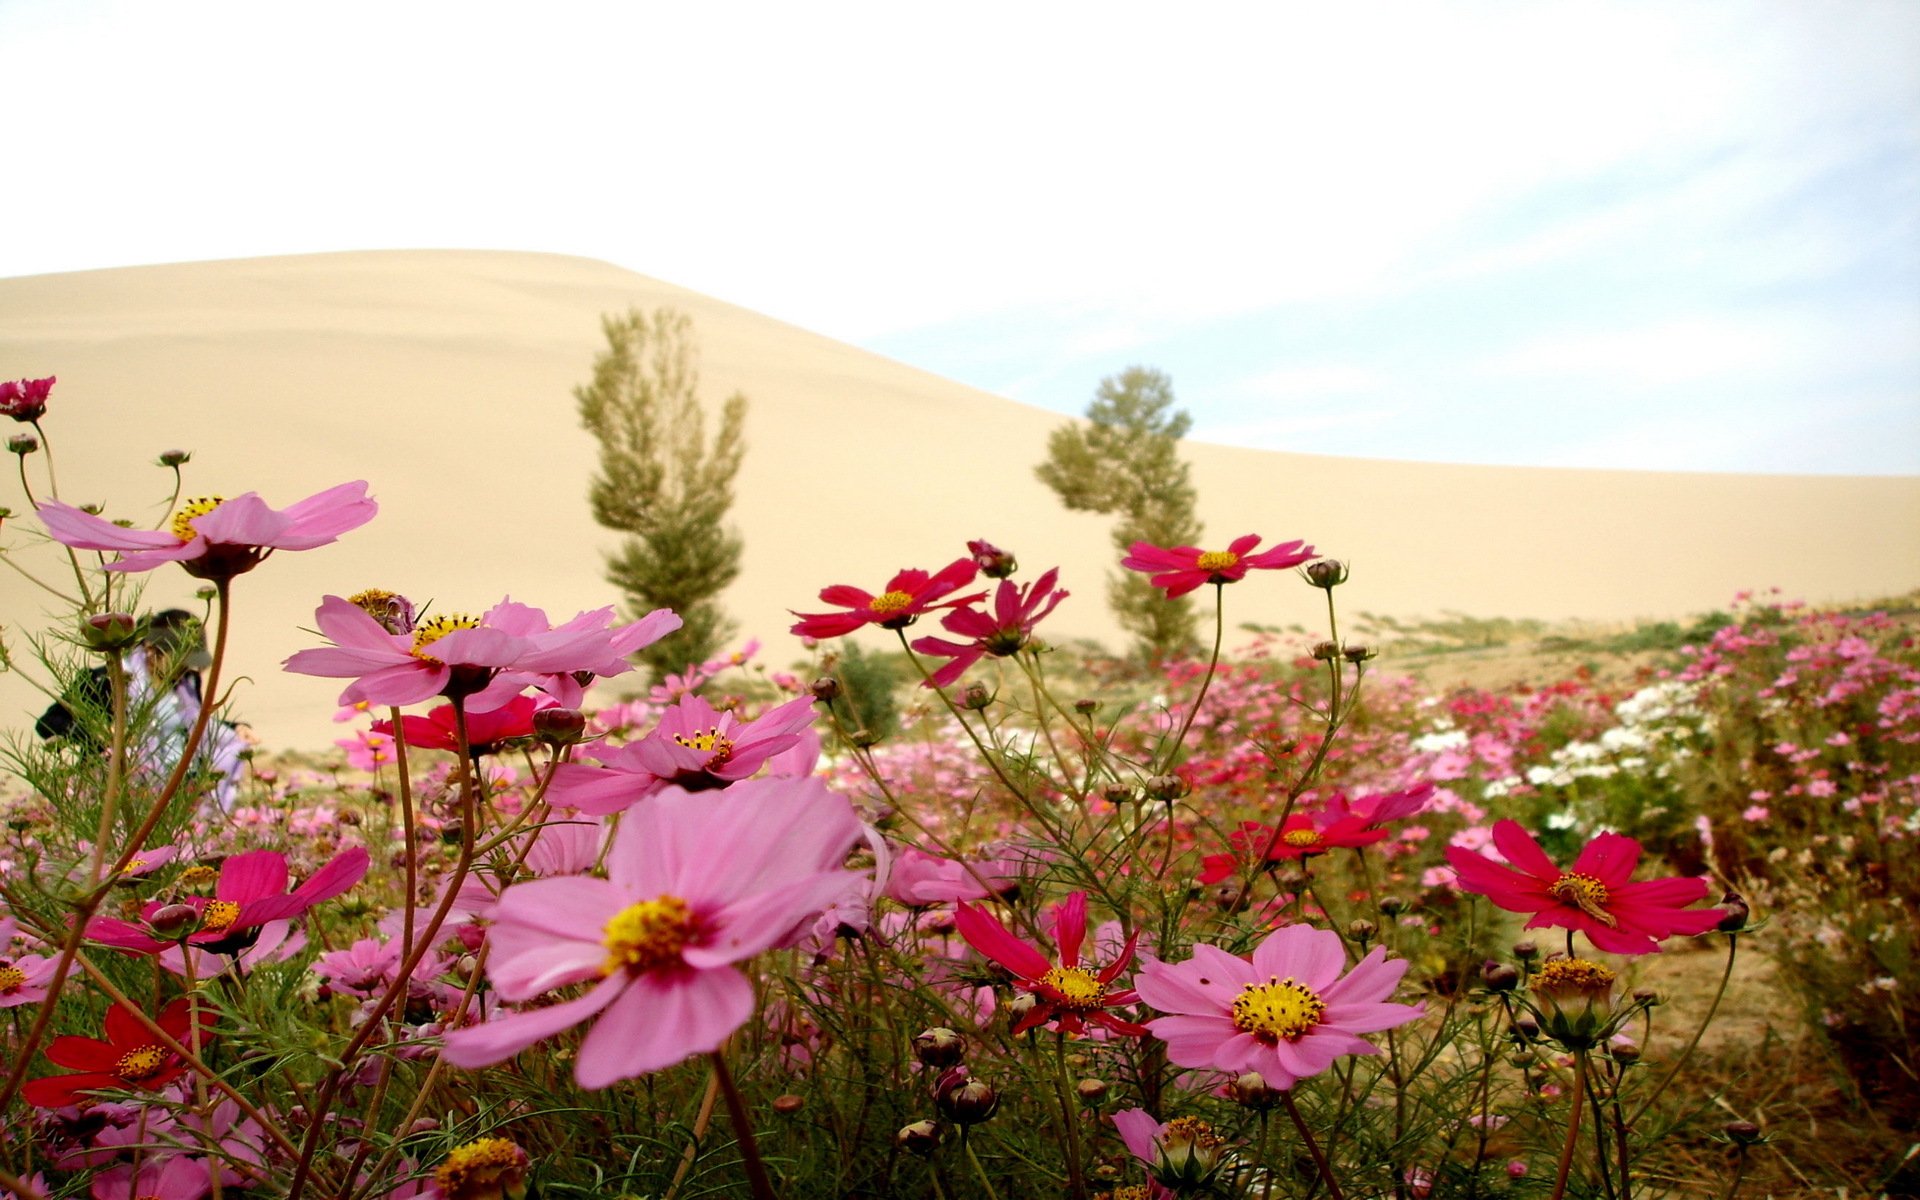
[160, 1177]
[589, 645]
[368, 750]
[213, 537]
[24, 980]
[25, 399]
[1598, 897]
[919, 879]
[1066, 994]
[906, 596]
[1183, 1155]
[695, 746]
[695, 884]
[251, 891]
[1287, 1013]
[1378, 808]
[453, 654]
[1001, 633]
[1178, 570]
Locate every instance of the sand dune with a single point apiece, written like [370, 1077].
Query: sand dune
[445, 379]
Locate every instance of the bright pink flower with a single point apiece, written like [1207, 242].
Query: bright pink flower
[213, 537]
[905, 597]
[453, 654]
[485, 730]
[1301, 834]
[23, 980]
[1016, 610]
[1378, 808]
[368, 750]
[129, 1058]
[25, 399]
[558, 655]
[1597, 897]
[251, 891]
[919, 879]
[1178, 570]
[1065, 993]
[1185, 1153]
[1287, 1013]
[161, 1177]
[695, 884]
[695, 746]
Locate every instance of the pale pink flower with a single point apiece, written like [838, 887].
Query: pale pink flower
[24, 980]
[589, 644]
[919, 878]
[1286, 1013]
[213, 537]
[695, 746]
[695, 884]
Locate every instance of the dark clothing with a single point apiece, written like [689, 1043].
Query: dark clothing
[90, 695]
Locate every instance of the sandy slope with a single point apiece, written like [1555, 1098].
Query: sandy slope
[445, 377]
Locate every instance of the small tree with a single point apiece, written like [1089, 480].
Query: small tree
[1125, 460]
[662, 482]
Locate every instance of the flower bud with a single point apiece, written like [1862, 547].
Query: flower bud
[1327, 573]
[975, 697]
[1188, 1155]
[1623, 1051]
[788, 1104]
[1325, 651]
[174, 458]
[1092, 1092]
[1573, 997]
[1743, 1133]
[174, 920]
[1646, 997]
[1018, 1007]
[939, 1047]
[1526, 951]
[993, 562]
[1525, 1027]
[23, 444]
[826, 690]
[863, 738]
[1251, 1090]
[1499, 977]
[1167, 788]
[1357, 652]
[560, 726]
[1362, 930]
[1117, 794]
[109, 631]
[918, 1138]
[1734, 905]
[1393, 906]
[1086, 707]
[964, 1100]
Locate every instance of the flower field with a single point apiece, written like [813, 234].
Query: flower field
[1269, 920]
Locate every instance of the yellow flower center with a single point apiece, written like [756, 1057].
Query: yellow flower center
[1080, 990]
[1277, 1009]
[1133, 1191]
[479, 1168]
[138, 864]
[1190, 1131]
[888, 603]
[1573, 976]
[432, 631]
[218, 915]
[143, 1063]
[198, 875]
[182, 524]
[1585, 893]
[1216, 560]
[647, 935]
[12, 978]
[710, 740]
[1301, 838]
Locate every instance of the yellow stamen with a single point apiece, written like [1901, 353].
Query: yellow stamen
[1573, 976]
[218, 915]
[1585, 893]
[889, 603]
[182, 524]
[12, 978]
[1079, 990]
[647, 935]
[197, 876]
[490, 1167]
[1276, 1009]
[710, 740]
[432, 631]
[1301, 838]
[1216, 560]
[143, 1063]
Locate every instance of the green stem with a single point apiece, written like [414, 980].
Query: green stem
[966, 1145]
[1313, 1147]
[1213, 664]
[1573, 1126]
[742, 1130]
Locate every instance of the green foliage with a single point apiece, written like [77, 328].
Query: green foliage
[868, 683]
[662, 482]
[1126, 461]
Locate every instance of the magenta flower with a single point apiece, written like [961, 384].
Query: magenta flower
[695, 884]
[1287, 1013]
[906, 596]
[160, 1177]
[1182, 1156]
[1180, 569]
[25, 399]
[24, 979]
[559, 655]
[1001, 633]
[213, 537]
[450, 655]
[919, 879]
[1065, 994]
[695, 746]
[1598, 897]
[251, 891]
[486, 731]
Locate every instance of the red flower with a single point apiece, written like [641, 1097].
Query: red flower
[907, 595]
[485, 730]
[130, 1057]
[1180, 569]
[25, 399]
[1300, 836]
[1016, 610]
[1068, 994]
[1598, 897]
[251, 891]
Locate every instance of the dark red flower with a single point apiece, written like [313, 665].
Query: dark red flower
[1598, 897]
[1067, 993]
[905, 597]
[485, 730]
[129, 1058]
[25, 399]
[1016, 610]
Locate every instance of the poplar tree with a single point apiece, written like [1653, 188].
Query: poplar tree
[662, 482]
[1125, 461]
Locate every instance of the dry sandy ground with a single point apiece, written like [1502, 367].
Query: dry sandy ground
[445, 379]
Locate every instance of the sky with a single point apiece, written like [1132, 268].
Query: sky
[1654, 236]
